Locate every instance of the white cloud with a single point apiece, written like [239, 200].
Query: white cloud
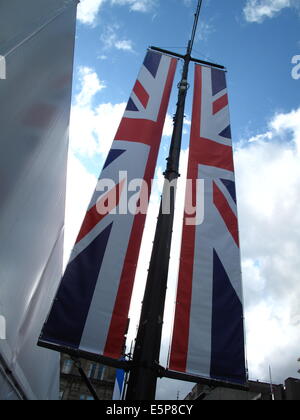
[169, 125]
[258, 10]
[205, 29]
[88, 10]
[275, 343]
[80, 187]
[268, 179]
[136, 5]
[90, 86]
[187, 3]
[125, 45]
[110, 39]
[92, 128]
[107, 120]
[109, 36]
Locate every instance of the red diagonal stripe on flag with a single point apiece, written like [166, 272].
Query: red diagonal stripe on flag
[220, 103]
[141, 93]
[93, 217]
[227, 214]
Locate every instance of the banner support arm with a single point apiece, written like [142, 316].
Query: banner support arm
[195, 60]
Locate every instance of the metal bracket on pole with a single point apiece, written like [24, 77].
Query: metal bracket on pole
[214, 383]
[195, 60]
[76, 354]
[180, 376]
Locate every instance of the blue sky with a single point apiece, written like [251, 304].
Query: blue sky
[256, 40]
[257, 56]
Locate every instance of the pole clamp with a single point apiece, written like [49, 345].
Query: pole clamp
[183, 86]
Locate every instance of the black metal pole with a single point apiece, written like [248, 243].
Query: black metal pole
[145, 364]
[86, 380]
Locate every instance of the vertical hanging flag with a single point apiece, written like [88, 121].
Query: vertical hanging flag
[119, 385]
[90, 312]
[208, 336]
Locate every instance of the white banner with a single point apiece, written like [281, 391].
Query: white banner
[37, 41]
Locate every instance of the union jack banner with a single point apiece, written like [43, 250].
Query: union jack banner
[90, 312]
[208, 336]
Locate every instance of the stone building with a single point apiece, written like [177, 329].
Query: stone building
[73, 387]
[256, 391]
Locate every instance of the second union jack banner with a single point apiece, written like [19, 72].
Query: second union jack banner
[91, 308]
[208, 336]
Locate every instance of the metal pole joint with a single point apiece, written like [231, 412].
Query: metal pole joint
[183, 86]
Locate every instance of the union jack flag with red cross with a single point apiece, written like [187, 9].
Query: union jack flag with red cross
[90, 312]
[208, 336]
